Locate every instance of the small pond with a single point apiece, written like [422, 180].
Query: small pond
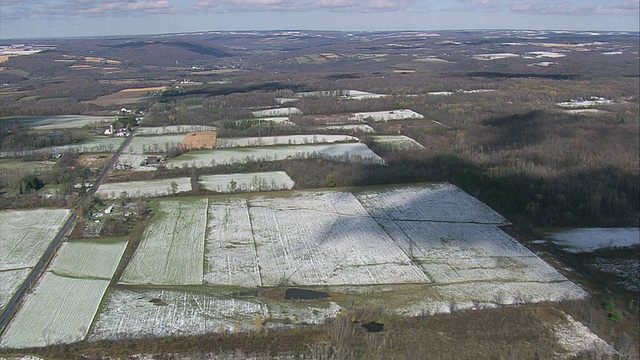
[373, 327]
[592, 239]
[303, 294]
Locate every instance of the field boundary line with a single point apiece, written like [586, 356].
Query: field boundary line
[204, 241]
[255, 245]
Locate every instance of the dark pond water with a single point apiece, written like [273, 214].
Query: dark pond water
[250, 293]
[373, 327]
[302, 294]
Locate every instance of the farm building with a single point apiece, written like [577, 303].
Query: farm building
[199, 140]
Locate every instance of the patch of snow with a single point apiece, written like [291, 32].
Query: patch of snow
[386, 115]
[399, 142]
[544, 64]
[488, 57]
[586, 103]
[543, 54]
[276, 112]
[356, 127]
[585, 111]
[576, 338]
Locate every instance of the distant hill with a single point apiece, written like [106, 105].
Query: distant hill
[164, 53]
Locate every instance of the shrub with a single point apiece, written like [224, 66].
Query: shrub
[609, 306]
[615, 317]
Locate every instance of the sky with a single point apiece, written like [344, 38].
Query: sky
[25, 19]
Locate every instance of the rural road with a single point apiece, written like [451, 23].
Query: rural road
[38, 269]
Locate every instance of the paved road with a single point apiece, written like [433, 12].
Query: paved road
[44, 261]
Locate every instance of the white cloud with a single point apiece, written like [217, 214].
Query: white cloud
[304, 5]
[61, 8]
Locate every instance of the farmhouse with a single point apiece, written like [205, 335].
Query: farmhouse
[202, 140]
[152, 161]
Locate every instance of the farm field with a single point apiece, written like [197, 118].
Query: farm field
[276, 112]
[447, 203]
[133, 312]
[65, 301]
[88, 259]
[301, 241]
[284, 120]
[230, 252]
[276, 180]
[62, 121]
[147, 188]
[171, 250]
[419, 249]
[17, 165]
[26, 234]
[127, 96]
[284, 140]
[172, 129]
[154, 144]
[10, 280]
[386, 115]
[356, 128]
[94, 145]
[397, 142]
[348, 94]
[351, 152]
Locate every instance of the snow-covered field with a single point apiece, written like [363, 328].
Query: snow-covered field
[60, 310]
[356, 127]
[283, 140]
[399, 142]
[282, 120]
[325, 239]
[173, 129]
[26, 234]
[88, 259]
[543, 54]
[63, 304]
[386, 115]
[585, 111]
[575, 338]
[433, 247]
[414, 234]
[347, 94]
[586, 103]
[24, 237]
[230, 253]
[132, 312]
[276, 180]
[172, 248]
[460, 91]
[276, 112]
[153, 144]
[9, 282]
[98, 144]
[347, 152]
[435, 202]
[498, 56]
[543, 63]
[147, 188]
[138, 313]
[591, 239]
